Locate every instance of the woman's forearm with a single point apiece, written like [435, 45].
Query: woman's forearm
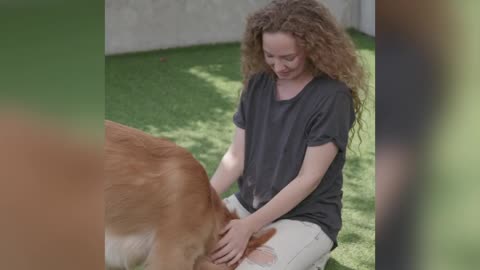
[227, 173]
[231, 165]
[282, 203]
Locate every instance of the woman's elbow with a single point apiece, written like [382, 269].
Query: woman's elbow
[233, 160]
[310, 182]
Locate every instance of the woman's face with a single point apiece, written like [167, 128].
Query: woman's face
[283, 55]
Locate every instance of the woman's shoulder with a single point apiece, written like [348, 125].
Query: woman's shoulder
[259, 78]
[257, 84]
[329, 93]
[328, 87]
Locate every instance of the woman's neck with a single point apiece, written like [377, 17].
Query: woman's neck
[289, 88]
[300, 79]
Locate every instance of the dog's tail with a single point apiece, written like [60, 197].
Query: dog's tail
[258, 240]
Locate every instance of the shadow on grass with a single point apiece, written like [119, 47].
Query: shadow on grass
[354, 172]
[362, 41]
[369, 264]
[188, 98]
[167, 102]
[364, 226]
[356, 163]
[333, 264]
[363, 204]
[349, 238]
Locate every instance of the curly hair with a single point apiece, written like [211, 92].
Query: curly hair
[328, 47]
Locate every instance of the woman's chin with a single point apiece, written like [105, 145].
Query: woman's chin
[284, 75]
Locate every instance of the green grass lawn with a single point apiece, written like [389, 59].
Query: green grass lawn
[189, 96]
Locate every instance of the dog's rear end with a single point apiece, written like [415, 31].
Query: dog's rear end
[160, 208]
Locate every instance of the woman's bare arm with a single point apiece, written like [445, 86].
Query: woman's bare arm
[231, 165]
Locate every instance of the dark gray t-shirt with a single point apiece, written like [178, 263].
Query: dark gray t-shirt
[277, 134]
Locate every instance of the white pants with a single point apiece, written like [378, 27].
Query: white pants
[297, 245]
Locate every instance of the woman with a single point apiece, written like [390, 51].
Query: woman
[303, 85]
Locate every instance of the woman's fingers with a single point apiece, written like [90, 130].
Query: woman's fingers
[226, 228]
[236, 259]
[228, 257]
[221, 253]
[220, 244]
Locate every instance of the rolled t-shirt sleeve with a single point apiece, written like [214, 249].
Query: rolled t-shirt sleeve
[332, 121]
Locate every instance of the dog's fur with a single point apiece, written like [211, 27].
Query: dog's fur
[161, 210]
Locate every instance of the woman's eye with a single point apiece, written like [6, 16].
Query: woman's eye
[290, 59]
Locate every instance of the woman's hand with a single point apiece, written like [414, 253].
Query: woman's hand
[232, 245]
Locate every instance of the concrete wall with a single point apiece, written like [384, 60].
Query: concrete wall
[346, 12]
[359, 14]
[367, 17]
[143, 25]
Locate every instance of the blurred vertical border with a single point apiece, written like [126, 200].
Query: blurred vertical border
[51, 131]
[427, 132]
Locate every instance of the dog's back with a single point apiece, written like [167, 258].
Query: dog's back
[157, 197]
[149, 180]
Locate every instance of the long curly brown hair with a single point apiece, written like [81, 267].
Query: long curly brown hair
[328, 47]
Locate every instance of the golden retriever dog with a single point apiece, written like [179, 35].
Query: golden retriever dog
[161, 211]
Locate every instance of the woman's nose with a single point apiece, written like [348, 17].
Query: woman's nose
[277, 67]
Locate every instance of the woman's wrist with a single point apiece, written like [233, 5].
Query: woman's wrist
[254, 223]
[216, 187]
